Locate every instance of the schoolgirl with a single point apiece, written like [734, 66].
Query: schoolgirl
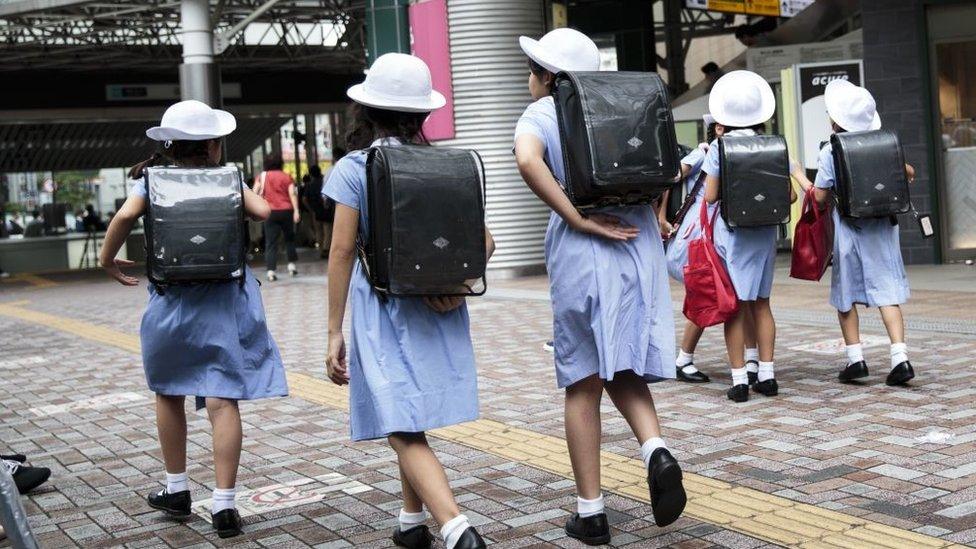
[867, 266]
[207, 340]
[612, 313]
[742, 102]
[410, 362]
[677, 255]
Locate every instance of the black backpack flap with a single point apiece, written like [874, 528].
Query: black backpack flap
[755, 180]
[870, 174]
[618, 135]
[194, 225]
[435, 235]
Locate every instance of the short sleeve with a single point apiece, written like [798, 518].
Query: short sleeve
[345, 183]
[694, 157]
[826, 178]
[711, 165]
[532, 122]
[138, 188]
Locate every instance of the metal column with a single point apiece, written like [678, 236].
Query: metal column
[199, 75]
[490, 75]
[675, 48]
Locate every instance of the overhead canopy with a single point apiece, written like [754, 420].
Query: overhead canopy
[81, 35]
[77, 145]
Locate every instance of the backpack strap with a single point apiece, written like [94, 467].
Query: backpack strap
[679, 217]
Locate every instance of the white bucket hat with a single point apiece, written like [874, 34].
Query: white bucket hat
[192, 121]
[851, 107]
[708, 119]
[741, 99]
[563, 50]
[398, 82]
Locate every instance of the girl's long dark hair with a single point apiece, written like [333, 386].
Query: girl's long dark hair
[369, 124]
[178, 152]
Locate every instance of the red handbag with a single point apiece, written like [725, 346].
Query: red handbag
[813, 241]
[710, 298]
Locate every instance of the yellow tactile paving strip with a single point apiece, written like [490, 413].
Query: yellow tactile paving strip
[32, 279]
[764, 516]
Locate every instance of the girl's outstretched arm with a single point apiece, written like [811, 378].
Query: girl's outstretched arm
[800, 175]
[256, 207]
[115, 236]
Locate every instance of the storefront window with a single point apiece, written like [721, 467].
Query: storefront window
[957, 93]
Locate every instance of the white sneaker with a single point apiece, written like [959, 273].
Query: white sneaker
[272, 276]
[292, 269]
[4, 274]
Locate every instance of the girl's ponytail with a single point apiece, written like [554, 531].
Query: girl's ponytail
[138, 170]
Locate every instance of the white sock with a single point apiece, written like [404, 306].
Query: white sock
[752, 357]
[648, 448]
[685, 362]
[409, 520]
[899, 353]
[739, 376]
[453, 529]
[176, 483]
[765, 371]
[589, 507]
[855, 353]
[223, 498]
[292, 267]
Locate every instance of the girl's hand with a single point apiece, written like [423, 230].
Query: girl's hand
[297, 216]
[666, 228]
[796, 167]
[606, 226]
[336, 365]
[114, 270]
[444, 304]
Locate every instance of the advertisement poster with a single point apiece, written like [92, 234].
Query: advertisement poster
[810, 81]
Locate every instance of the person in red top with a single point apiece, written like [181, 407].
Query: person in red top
[278, 188]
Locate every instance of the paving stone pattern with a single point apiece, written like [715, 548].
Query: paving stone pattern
[898, 457]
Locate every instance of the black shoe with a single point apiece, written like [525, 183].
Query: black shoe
[738, 393]
[27, 478]
[901, 374]
[227, 523]
[767, 388]
[697, 377]
[470, 539]
[592, 530]
[668, 497]
[19, 458]
[418, 537]
[853, 371]
[175, 505]
[753, 376]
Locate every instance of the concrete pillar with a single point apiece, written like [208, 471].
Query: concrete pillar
[199, 75]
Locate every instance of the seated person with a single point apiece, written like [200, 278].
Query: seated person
[35, 227]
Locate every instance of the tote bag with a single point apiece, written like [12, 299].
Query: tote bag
[813, 241]
[710, 298]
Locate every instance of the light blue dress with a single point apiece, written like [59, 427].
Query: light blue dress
[749, 253]
[868, 267]
[210, 340]
[411, 369]
[610, 300]
[690, 228]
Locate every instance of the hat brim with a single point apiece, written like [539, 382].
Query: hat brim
[708, 119]
[226, 124]
[537, 53]
[359, 94]
[834, 101]
[726, 86]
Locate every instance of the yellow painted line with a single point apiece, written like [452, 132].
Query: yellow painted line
[32, 279]
[751, 512]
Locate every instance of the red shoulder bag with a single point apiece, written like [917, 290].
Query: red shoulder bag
[813, 241]
[710, 298]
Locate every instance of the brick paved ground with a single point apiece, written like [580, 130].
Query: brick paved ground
[899, 457]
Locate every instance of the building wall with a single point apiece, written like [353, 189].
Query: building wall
[894, 73]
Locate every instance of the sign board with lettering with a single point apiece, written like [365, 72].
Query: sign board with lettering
[810, 81]
[770, 8]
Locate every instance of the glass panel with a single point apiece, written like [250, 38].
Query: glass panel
[957, 116]
[957, 93]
